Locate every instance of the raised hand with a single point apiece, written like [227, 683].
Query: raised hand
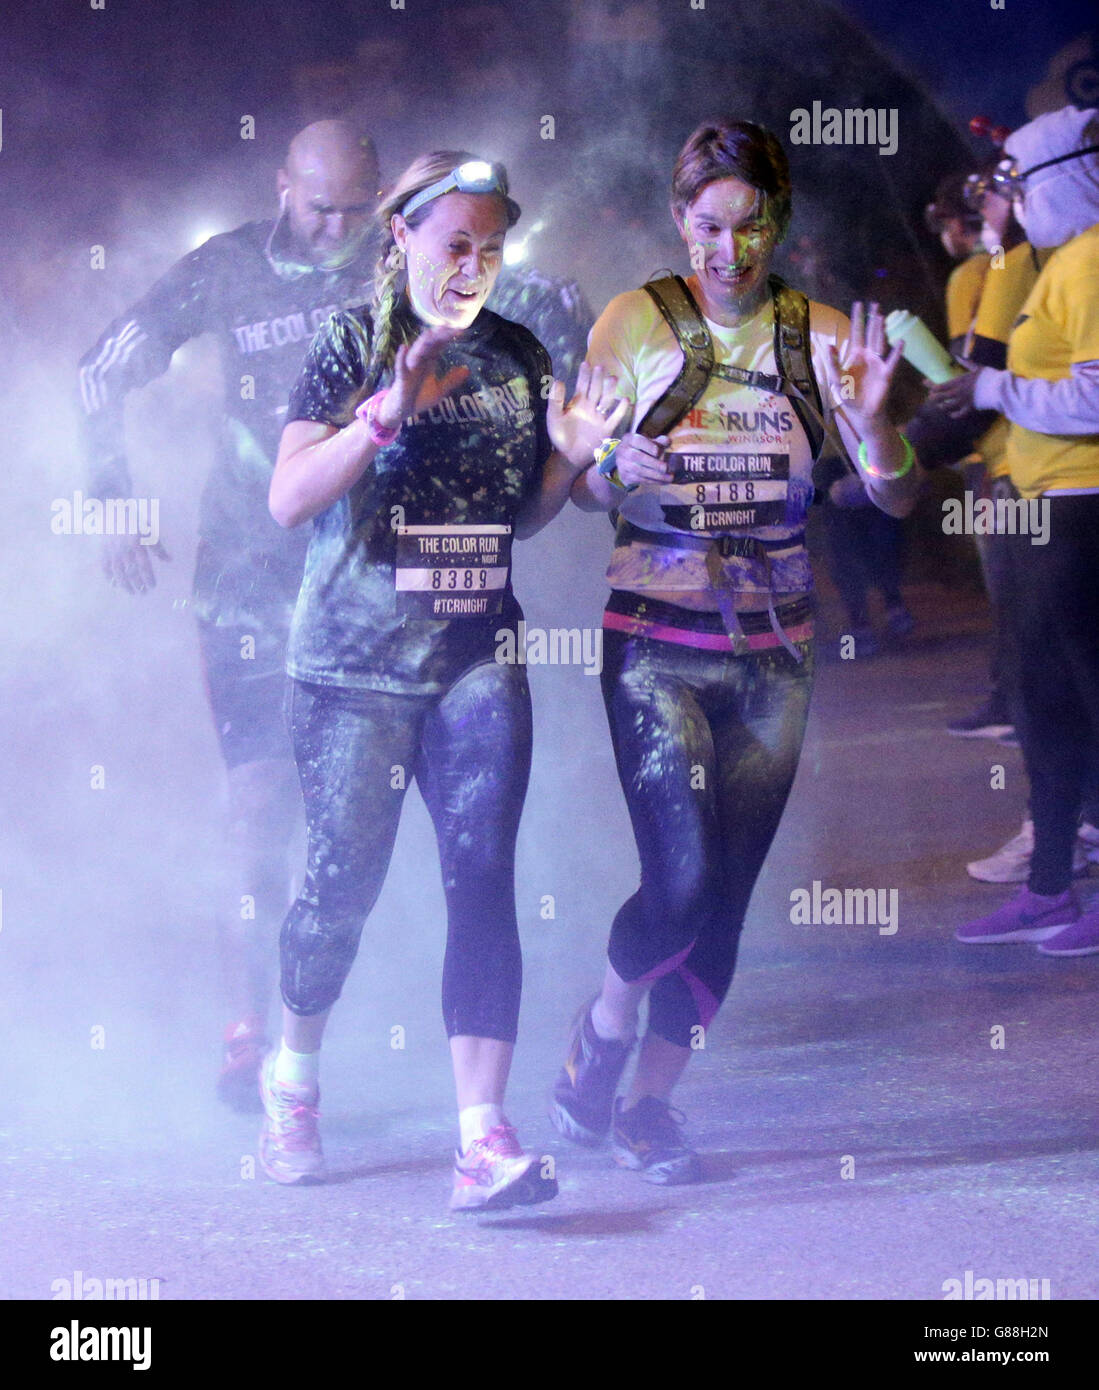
[860, 381]
[593, 414]
[415, 386]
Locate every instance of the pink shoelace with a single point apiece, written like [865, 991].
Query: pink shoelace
[500, 1142]
[296, 1123]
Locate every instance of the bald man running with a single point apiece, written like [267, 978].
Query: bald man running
[263, 289]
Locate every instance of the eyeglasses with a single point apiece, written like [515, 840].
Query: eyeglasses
[1000, 181]
[474, 176]
[1009, 181]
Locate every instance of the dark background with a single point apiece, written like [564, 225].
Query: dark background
[123, 124]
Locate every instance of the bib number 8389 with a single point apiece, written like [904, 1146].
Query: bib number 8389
[459, 579]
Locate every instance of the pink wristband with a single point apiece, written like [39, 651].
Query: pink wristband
[368, 413]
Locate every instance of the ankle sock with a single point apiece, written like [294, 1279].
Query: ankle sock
[297, 1068]
[475, 1121]
[602, 1025]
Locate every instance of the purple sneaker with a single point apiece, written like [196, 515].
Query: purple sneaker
[1026, 917]
[1079, 939]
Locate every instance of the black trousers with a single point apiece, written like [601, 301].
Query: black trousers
[357, 750]
[1054, 615]
[707, 746]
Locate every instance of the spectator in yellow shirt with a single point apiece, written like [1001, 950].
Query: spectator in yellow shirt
[1049, 392]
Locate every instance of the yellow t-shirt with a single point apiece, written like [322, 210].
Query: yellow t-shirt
[741, 459]
[1059, 325]
[963, 294]
[1005, 291]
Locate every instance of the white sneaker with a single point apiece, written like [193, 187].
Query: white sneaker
[290, 1142]
[1011, 862]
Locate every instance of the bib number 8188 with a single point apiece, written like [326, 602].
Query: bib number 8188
[732, 492]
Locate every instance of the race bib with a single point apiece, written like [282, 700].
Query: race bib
[725, 490]
[452, 571]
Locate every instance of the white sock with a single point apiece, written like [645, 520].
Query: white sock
[475, 1121]
[297, 1068]
[603, 1027]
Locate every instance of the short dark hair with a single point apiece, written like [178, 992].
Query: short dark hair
[950, 202]
[723, 149]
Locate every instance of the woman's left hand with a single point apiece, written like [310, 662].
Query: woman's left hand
[860, 383]
[593, 414]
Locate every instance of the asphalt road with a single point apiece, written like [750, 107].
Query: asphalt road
[862, 1135]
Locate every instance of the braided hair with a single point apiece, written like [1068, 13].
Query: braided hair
[391, 327]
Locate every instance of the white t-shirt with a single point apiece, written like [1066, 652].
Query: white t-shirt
[742, 460]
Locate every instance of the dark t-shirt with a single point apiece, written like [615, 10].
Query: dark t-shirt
[247, 287]
[365, 617]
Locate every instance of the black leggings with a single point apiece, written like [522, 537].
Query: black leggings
[469, 751]
[707, 745]
[1054, 614]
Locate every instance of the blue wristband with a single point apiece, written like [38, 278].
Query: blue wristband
[605, 465]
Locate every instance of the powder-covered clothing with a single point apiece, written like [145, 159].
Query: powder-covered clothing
[554, 310]
[407, 610]
[742, 461]
[252, 290]
[707, 746]
[469, 754]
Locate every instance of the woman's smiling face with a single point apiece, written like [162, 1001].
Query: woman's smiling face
[454, 256]
[731, 242]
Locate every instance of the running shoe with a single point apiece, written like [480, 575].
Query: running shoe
[1011, 862]
[289, 1142]
[1080, 938]
[496, 1172]
[245, 1048]
[583, 1094]
[1025, 918]
[989, 721]
[647, 1139]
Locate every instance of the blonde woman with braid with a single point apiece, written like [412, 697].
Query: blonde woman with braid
[420, 444]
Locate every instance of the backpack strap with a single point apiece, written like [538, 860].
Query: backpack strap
[683, 316]
[793, 360]
[793, 357]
